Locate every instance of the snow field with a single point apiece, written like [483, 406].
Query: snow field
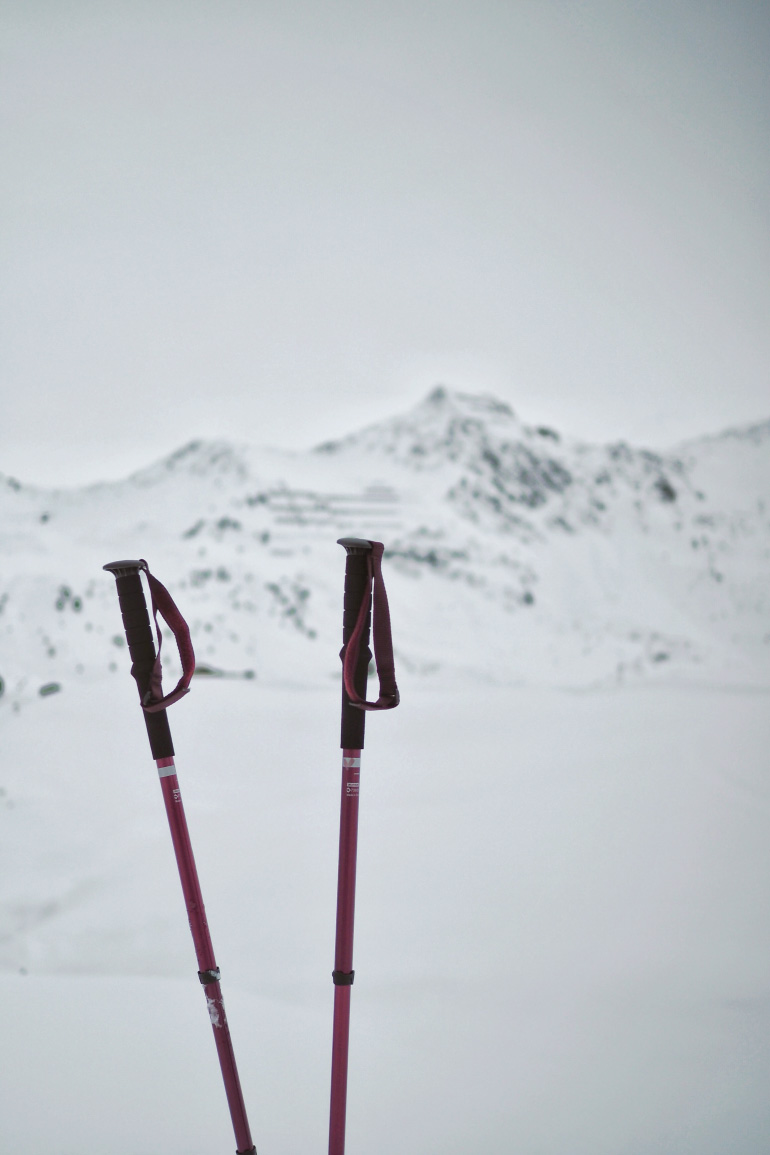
[561, 936]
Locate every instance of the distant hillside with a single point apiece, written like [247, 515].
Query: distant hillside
[512, 553]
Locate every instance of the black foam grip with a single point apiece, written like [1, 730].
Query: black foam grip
[141, 647]
[353, 718]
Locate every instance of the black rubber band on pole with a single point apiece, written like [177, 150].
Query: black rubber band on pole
[211, 976]
[343, 978]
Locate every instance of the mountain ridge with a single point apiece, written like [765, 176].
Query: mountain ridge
[479, 406]
[513, 552]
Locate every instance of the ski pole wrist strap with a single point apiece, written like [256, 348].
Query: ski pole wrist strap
[163, 604]
[381, 638]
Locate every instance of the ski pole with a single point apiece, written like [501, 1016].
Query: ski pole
[146, 671]
[363, 589]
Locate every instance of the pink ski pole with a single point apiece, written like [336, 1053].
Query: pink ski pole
[146, 671]
[363, 588]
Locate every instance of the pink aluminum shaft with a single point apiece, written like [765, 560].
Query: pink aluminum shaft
[204, 950]
[343, 954]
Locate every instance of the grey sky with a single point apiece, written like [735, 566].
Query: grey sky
[277, 221]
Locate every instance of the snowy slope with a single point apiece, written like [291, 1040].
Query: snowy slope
[561, 931]
[513, 553]
[561, 941]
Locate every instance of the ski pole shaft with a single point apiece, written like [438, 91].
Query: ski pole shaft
[352, 741]
[343, 973]
[142, 650]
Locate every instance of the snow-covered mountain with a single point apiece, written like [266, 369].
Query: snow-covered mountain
[598, 860]
[512, 553]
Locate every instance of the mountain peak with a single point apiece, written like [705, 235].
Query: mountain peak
[445, 426]
[200, 458]
[481, 406]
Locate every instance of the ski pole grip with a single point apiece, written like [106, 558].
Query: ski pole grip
[356, 584]
[141, 647]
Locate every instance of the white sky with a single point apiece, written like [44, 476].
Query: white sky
[276, 221]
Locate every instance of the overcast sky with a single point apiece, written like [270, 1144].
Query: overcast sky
[277, 221]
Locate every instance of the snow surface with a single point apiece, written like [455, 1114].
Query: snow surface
[561, 937]
[561, 943]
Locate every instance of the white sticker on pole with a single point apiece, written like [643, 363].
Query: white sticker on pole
[167, 769]
[348, 762]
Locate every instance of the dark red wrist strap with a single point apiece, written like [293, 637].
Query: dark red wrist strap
[381, 638]
[164, 604]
